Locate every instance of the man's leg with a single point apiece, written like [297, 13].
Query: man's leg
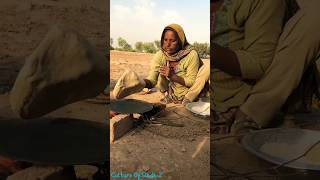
[201, 79]
[298, 46]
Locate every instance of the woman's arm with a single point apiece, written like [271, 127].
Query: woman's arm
[167, 72]
[153, 75]
[191, 66]
[177, 79]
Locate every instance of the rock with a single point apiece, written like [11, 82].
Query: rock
[183, 149]
[145, 168]
[63, 69]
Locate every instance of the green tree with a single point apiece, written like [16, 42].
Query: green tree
[139, 46]
[203, 49]
[208, 51]
[111, 44]
[124, 45]
[149, 47]
[157, 44]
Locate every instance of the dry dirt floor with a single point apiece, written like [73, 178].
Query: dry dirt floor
[177, 152]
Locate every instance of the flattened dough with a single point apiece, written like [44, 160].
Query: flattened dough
[63, 69]
[129, 83]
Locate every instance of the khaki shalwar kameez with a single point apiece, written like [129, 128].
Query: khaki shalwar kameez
[251, 28]
[299, 45]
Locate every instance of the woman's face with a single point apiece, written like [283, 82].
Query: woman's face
[170, 42]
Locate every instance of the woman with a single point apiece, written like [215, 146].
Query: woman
[174, 68]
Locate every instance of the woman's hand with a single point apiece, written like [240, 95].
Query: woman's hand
[166, 71]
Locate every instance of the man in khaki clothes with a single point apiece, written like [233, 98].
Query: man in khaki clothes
[259, 58]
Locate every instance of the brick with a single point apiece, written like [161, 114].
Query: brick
[120, 125]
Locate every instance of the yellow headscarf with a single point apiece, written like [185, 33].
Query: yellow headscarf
[186, 48]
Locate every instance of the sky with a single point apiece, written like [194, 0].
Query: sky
[144, 20]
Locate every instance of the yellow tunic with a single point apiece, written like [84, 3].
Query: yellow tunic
[187, 69]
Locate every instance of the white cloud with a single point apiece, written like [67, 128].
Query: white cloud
[120, 12]
[171, 15]
[143, 20]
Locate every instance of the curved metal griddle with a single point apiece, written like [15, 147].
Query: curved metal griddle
[130, 106]
[61, 141]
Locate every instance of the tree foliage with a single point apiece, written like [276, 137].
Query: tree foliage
[124, 45]
[139, 46]
[157, 44]
[152, 47]
[203, 49]
[111, 44]
[149, 47]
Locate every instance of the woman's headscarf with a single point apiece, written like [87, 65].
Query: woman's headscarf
[185, 47]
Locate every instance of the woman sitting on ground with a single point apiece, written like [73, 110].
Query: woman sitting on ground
[175, 67]
[176, 70]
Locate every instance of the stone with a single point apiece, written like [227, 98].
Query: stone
[183, 149]
[63, 69]
[146, 168]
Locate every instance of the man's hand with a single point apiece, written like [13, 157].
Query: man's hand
[166, 71]
[226, 60]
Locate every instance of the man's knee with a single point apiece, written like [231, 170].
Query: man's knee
[301, 31]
